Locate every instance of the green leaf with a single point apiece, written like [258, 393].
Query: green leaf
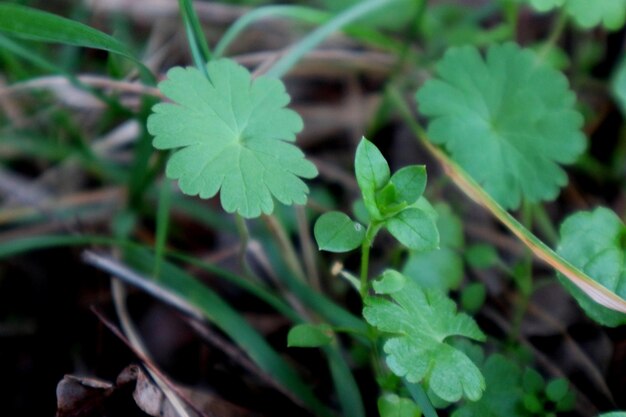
[388, 200]
[567, 403]
[546, 5]
[508, 120]
[481, 256]
[618, 86]
[415, 229]
[410, 183]
[532, 381]
[557, 389]
[393, 17]
[336, 232]
[503, 395]
[231, 134]
[372, 174]
[390, 405]
[421, 321]
[596, 243]
[614, 414]
[309, 335]
[533, 404]
[29, 23]
[390, 281]
[611, 14]
[473, 297]
[443, 267]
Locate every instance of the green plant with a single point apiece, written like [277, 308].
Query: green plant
[505, 122]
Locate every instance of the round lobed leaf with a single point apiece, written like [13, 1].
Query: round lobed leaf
[596, 243]
[508, 120]
[611, 14]
[231, 134]
[421, 323]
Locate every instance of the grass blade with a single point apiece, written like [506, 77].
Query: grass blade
[29, 23]
[195, 36]
[283, 65]
[303, 14]
[234, 325]
[345, 385]
[162, 225]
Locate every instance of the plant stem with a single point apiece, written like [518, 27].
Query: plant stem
[365, 258]
[555, 34]
[420, 397]
[288, 252]
[244, 236]
[372, 229]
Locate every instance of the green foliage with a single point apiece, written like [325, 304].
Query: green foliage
[508, 120]
[421, 321]
[390, 281]
[372, 174]
[614, 414]
[442, 267]
[29, 23]
[596, 242]
[557, 389]
[481, 256]
[410, 183]
[545, 5]
[611, 14]
[415, 229]
[394, 201]
[309, 335]
[390, 405]
[394, 16]
[231, 134]
[473, 297]
[513, 393]
[618, 86]
[503, 394]
[336, 232]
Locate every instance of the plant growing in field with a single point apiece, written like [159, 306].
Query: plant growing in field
[500, 118]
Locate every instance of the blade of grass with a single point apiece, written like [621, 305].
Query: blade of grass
[473, 190]
[284, 64]
[29, 23]
[315, 301]
[250, 286]
[162, 225]
[345, 385]
[233, 324]
[303, 14]
[195, 36]
[192, 292]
